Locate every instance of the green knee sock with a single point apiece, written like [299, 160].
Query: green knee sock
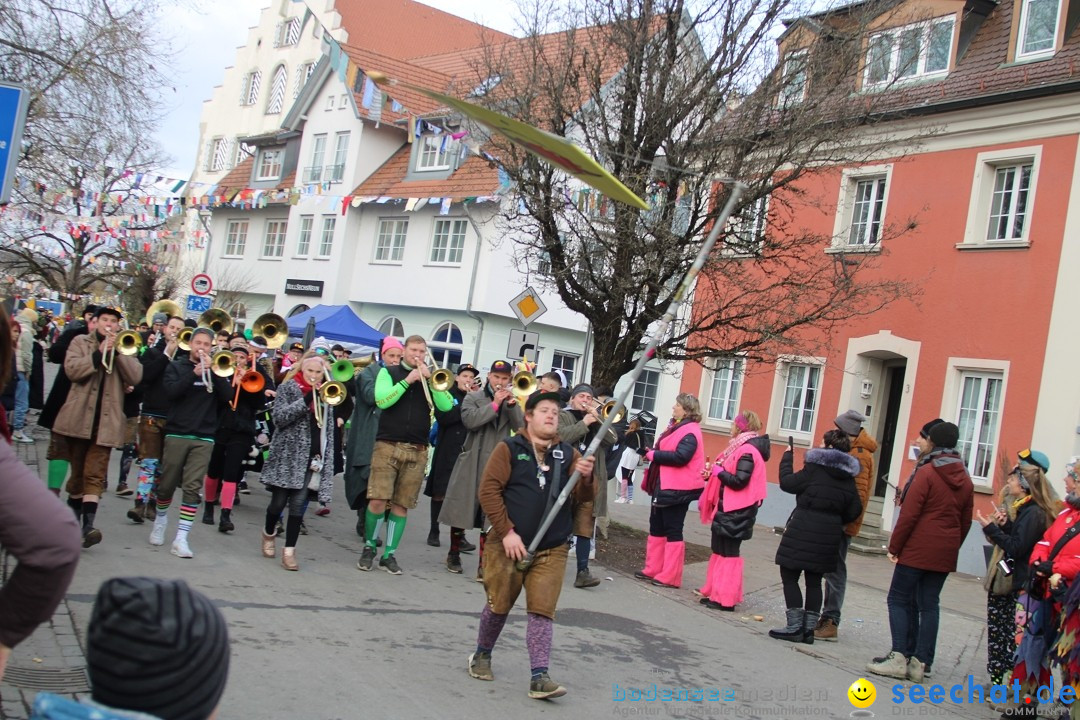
[395, 528]
[372, 524]
[58, 470]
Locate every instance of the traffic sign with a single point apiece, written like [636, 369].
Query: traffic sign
[523, 344]
[528, 306]
[198, 304]
[201, 284]
[13, 102]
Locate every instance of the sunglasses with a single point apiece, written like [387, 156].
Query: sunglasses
[320, 351]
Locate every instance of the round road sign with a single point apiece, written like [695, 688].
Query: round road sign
[201, 284]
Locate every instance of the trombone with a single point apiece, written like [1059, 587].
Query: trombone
[223, 363]
[523, 384]
[250, 382]
[332, 392]
[441, 378]
[604, 409]
[183, 340]
[127, 342]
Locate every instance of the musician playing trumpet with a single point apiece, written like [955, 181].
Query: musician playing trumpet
[92, 419]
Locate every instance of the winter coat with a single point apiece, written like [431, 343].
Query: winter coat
[290, 448]
[936, 514]
[735, 492]
[448, 444]
[61, 384]
[1016, 538]
[37, 377]
[487, 428]
[1067, 560]
[24, 351]
[863, 448]
[83, 367]
[361, 442]
[573, 430]
[825, 500]
[680, 456]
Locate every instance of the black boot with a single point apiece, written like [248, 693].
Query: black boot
[225, 525]
[433, 533]
[76, 507]
[809, 623]
[794, 630]
[208, 514]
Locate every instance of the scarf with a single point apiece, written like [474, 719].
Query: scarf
[734, 444]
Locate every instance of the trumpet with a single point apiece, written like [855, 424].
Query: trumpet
[271, 329]
[605, 409]
[250, 382]
[217, 320]
[126, 342]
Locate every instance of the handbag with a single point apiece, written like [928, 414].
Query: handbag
[651, 482]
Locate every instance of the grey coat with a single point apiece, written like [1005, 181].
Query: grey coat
[361, 441]
[461, 508]
[575, 431]
[290, 448]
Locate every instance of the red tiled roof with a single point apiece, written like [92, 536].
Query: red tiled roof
[474, 178]
[240, 177]
[406, 72]
[407, 29]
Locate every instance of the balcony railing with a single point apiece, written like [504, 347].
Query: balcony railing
[313, 174]
[334, 173]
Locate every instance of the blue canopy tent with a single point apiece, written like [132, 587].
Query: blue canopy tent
[336, 322]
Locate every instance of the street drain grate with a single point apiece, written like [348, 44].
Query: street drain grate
[71, 680]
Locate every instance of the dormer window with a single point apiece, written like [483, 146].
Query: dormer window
[269, 165]
[1038, 28]
[793, 81]
[435, 152]
[917, 51]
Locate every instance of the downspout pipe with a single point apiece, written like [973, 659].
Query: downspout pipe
[472, 288]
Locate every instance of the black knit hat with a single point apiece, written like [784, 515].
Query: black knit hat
[158, 647]
[945, 435]
[925, 432]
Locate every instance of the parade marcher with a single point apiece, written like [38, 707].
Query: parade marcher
[197, 397]
[92, 419]
[490, 414]
[549, 382]
[934, 520]
[578, 425]
[129, 450]
[825, 501]
[37, 367]
[737, 486]
[362, 430]
[863, 448]
[286, 361]
[520, 482]
[450, 437]
[300, 458]
[154, 410]
[24, 358]
[232, 443]
[57, 452]
[399, 459]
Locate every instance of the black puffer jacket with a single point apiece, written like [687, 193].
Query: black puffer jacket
[825, 501]
[1017, 539]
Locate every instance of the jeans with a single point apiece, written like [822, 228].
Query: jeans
[22, 401]
[913, 598]
[836, 583]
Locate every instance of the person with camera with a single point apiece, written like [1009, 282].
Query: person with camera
[1028, 507]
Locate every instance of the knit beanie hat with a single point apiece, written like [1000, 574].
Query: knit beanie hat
[925, 432]
[390, 343]
[157, 647]
[850, 422]
[582, 387]
[945, 435]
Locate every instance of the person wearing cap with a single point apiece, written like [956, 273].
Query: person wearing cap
[922, 446]
[934, 521]
[57, 455]
[578, 425]
[1028, 505]
[399, 458]
[155, 338]
[194, 410]
[232, 442]
[863, 448]
[490, 415]
[92, 419]
[362, 429]
[522, 478]
[450, 437]
[181, 675]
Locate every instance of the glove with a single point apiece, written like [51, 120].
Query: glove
[642, 451]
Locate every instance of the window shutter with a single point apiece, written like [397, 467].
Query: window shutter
[253, 87]
[244, 88]
[209, 156]
[293, 32]
[277, 91]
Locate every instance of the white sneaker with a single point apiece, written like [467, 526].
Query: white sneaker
[620, 501]
[629, 502]
[157, 535]
[180, 548]
[20, 436]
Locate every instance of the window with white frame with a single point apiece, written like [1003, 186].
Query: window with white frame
[919, 50]
[393, 327]
[446, 345]
[326, 242]
[725, 380]
[390, 242]
[274, 240]
[746, 229]
[269, 165]
[279, 83]
[566, 363]
[241, 152]
[434, 152]
[303, 240]
[336, 172]
[867, 202]
[1002, 199]
[978, 416]
[236, 238]
[238, 313]
[217, 154]
[448, 242]
[313, 173]
[303, 72]
[1009, 202]
[249, 88]
[802, 384]
[287, 32]
[1037, 34]
[331, 102]
[794, 78]
[645, 389]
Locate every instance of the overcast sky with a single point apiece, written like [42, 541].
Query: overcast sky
[209, 31]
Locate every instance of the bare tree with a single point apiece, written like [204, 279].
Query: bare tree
[671, 99]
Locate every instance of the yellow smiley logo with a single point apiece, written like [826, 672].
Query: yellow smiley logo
[862, 693]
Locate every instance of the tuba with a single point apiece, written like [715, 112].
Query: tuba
[223, 363]
[169, 307]
[217, 320]
[271, 329]
[342, 370]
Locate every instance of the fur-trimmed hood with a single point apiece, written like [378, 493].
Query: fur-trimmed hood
[832, 459]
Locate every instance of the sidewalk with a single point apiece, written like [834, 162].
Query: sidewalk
[52, 659]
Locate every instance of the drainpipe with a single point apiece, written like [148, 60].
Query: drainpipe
[587, 355]
[472, 287]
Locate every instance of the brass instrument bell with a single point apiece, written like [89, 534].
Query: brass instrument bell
[342, 370]
[442, 380]
[217, 320]
[272, 329]
[332, 393]
[169, 307]
[128, 342]
[523, 384]
[223, 363]
[183, 340]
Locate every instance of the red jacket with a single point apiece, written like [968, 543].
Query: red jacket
[936, 514]
[1067, 560]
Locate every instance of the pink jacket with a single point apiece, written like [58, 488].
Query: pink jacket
[754, 492]
[688, 476]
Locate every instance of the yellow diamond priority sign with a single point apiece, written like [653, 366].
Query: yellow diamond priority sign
[528, 306]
